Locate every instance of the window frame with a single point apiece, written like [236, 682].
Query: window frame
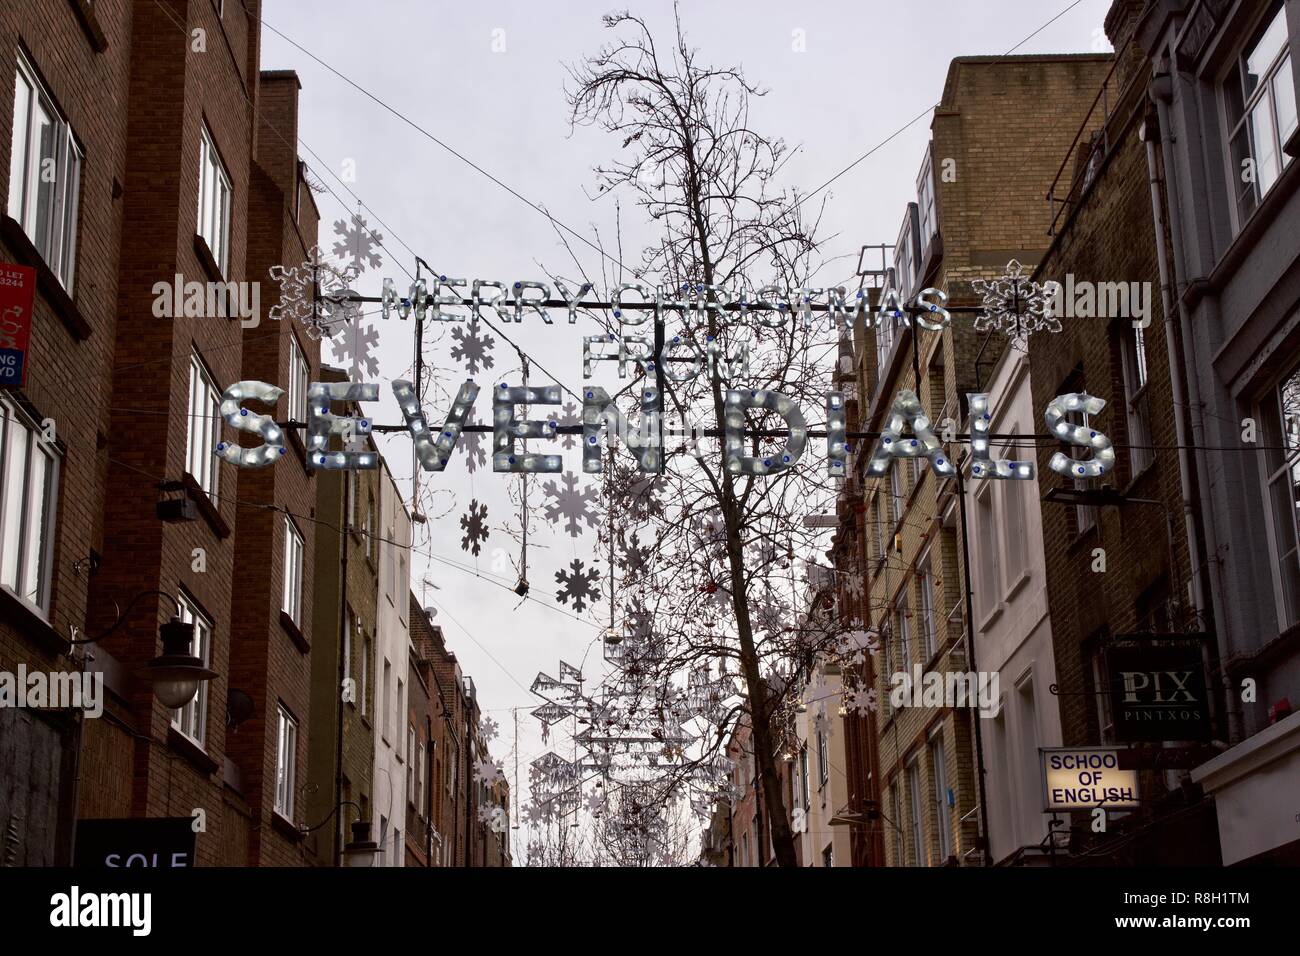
[1265, 90]
[925, 603]
[193, 724]
[286, 771]
[26, 554]
[939, 778]
[916, 828]
[216, 235]
[203, 387]
[58, 245]
[1283, 541]
[299, 376]
[1137, 397]
[294, 556]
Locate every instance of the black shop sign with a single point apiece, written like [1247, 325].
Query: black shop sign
[1158, 688]
[157, 842]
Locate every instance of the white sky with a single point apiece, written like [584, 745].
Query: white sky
[868, 68]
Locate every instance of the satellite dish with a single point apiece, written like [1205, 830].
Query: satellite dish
[432, 612]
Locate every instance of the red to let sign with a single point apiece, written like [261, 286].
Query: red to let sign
[17, 288]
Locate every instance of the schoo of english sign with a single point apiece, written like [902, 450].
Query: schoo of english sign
[1157, 688]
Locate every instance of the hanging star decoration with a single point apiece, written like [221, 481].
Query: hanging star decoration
[474, 524]
[574, 506]
[580, 586]
[1015, 305]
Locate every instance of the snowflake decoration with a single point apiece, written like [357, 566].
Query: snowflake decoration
[633, 559]
[860, 700]
[594, 803]
[488, 771]
[494, 818]
[574, 506]
[474, 349]
[822, 722]
[474, 523]
[854, 585]
[580, 585]
[354, 349]
[1014, 304]
[331, 307]
[566, 417]
[488, 729]
[358, 245]
[475, 453]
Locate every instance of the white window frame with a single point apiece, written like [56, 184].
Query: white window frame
[293, 555]
[49, 219]
[191, 720]
[925, 594]
[27, 542]
[286, 758]
[1137, 397]
[299, 373]
[410, 762]
[942, 812]
[215, 194]
[823, 762]
[419, 779]
[400, 703]
[903, 631]
[1274, 80]
[365, 674]
[926, 202]
[1282, 507]
[203, 428]
[912, 771]
[386, 701]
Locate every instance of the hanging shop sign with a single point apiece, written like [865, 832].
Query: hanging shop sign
[1157, 688]
[152, 842]
[17, 290]
[1083, 778]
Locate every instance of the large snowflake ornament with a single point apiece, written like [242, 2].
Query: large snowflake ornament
[567, 416]
[354, 349]
[487, 727]
[574, 506]
[475, 453]
[474, 524]
[358, 245]
[494, 818]
[473, 349]
[1015, 305]
[322, 314]
[860, 700]
[580, 586]
[488, 771]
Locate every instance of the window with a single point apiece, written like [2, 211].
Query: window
[925, 592]
[896, 805]
[1281, 418]
[386, 695]
[419, 779]
[299, 372]
[942, 813]
[828, 856]
[402, 584]
[915, 832]
[745, 855]
[44, 174]
[880, 526]
[353, 491]
[1137, 397]
[895, 495]
[214, 202]
[1014, 525]
[366, 655]
[29, 481]
[293, 553]
[192, 719]
[989, 572]
[204, 428]
[903, 630]
[803, 776]
[1261, 107]
[285, 756]
[925, 202]
[823, 761]
[399, 706]
[410, 763]
[1100, 688]
[354, 624]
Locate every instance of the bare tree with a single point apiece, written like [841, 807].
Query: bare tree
[709, 557]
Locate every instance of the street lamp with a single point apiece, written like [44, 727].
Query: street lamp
[360, 851]
[176, 672]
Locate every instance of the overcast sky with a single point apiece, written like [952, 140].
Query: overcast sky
[486, 78]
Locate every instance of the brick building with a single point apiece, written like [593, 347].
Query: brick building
[427, 730]
[996, 132]
[175, 157]
[345, 621]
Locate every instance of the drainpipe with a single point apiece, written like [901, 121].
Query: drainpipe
[1188, 393]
